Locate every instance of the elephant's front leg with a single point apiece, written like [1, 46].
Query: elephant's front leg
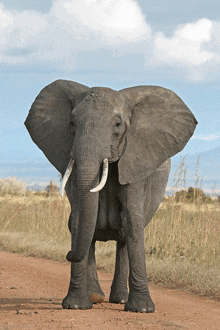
[139, 299]
[78, 294]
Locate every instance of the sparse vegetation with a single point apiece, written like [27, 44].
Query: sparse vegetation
[12, 186]
[182, 240]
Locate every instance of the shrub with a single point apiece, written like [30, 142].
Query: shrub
[12, 186]
[192, 195]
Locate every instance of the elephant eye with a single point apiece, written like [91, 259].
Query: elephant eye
[118, 125]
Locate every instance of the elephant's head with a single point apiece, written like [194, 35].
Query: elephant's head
[139, 127]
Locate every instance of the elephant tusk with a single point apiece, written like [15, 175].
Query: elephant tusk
[104, 177]
[66, 176]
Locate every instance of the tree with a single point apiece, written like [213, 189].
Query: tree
[51, 188]
[191, 195]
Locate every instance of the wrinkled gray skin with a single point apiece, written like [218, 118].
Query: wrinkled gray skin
[138, 129]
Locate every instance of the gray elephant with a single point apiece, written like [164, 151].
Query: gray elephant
[113, 149]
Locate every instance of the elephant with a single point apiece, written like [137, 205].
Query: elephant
[113, 150]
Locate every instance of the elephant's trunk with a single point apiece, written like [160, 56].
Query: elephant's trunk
[96, 189]
[87, 178]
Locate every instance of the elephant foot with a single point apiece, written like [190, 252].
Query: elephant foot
[140, 304]
[118, 295]
[76, 301]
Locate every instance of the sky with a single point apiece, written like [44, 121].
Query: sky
[112, 43]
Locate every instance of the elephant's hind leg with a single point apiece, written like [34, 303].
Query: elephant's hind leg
[119, 290]
[95, 292]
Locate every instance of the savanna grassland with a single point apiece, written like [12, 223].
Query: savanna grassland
[182, 242]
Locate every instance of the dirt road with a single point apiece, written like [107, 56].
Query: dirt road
[31, 291]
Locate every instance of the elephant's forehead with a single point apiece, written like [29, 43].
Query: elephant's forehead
[107, 95]
[103, 91]
[101, 100]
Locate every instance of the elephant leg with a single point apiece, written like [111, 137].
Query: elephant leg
[119, 290]
[95, 292]
[139, 299]
[78, 294]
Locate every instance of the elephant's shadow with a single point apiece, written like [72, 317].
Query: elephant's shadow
[16, 304]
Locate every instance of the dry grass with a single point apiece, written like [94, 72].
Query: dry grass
[182, 240]
[35, 225]
[189, 231]
[36, 214]
[33, 245]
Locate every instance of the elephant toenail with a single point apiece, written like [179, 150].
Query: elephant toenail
[74, 307]
[150, 310]
[142, 310]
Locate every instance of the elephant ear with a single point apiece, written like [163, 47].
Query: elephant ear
[48, 121]
[161, 125]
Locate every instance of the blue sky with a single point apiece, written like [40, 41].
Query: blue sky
[114, 43]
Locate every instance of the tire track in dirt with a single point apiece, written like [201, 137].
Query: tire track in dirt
[31, 291]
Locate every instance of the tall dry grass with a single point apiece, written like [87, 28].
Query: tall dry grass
[35, 224]
[188, 231]
[181, 242]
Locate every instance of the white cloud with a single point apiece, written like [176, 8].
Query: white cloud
[71, 27]
[210, 137]
[20, 39]
[190, 48]
[196, 32]
[74, 28]
[117, 20]
[6, 18]
[185, 47]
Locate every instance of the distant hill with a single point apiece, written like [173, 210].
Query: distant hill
[39, 172]
[35, 172]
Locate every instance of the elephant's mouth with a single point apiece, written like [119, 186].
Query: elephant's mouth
[114, 159]
[116, 152]
[69, 171]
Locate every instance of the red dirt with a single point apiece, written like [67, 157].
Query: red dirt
[32, 290]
